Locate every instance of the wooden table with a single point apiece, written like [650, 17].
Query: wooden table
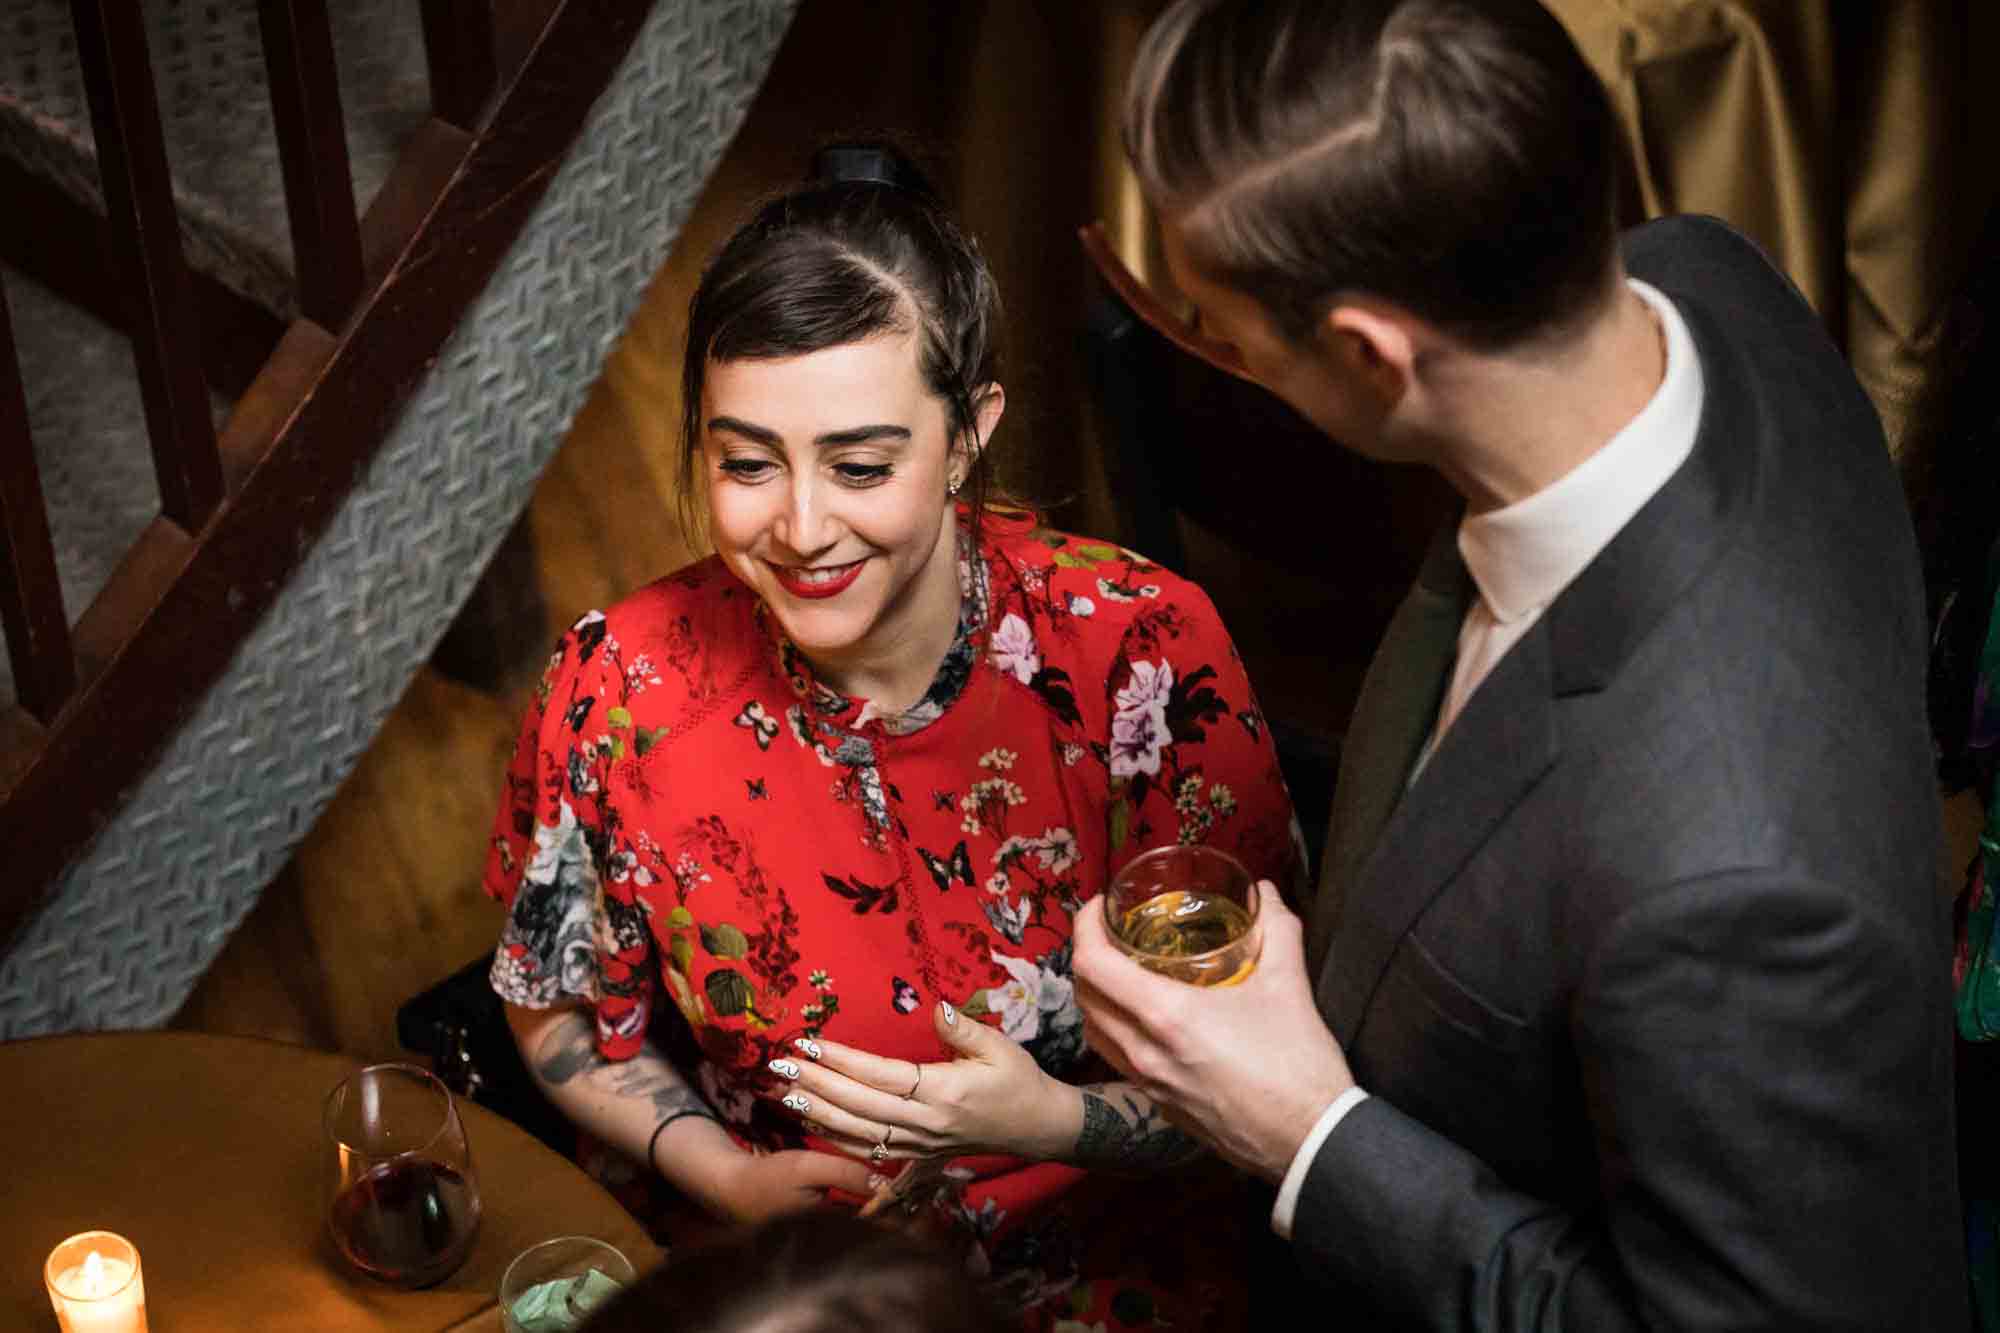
[205, 1153]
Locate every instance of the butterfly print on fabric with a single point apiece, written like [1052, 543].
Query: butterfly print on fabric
[579, 711]
[758, 791]
[865, 897]
[903, 996]
[943, 800]
[944, 869]
[761, 724]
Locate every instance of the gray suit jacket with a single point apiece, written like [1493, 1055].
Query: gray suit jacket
[1648, 970]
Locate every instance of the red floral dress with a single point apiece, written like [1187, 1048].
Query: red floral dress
[698, 833]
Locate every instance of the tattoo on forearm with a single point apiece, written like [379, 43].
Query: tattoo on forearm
[661, 1085]
[1136, 1138]
[570, 1049]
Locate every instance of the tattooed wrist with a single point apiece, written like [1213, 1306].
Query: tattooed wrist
[1123, 1130]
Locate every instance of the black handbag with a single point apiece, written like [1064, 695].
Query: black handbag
[461, 1025]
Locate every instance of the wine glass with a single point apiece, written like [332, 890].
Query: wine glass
[1187, 912]
[402, 1200]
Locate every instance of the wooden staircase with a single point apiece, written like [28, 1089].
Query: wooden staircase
[316, 376]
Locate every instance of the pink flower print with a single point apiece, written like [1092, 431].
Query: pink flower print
[1013, 649]
[1139, 727]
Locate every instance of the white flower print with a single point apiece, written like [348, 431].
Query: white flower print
[997, 883]
[1010, 919]
[1107, 589]
[1139, 727]
[1000, 759]
[1072, 753]
[1013, 649]
[1033, 992]
[1081, 606]
[1056, 850]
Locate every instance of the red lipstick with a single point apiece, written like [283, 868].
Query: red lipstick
[789, 579]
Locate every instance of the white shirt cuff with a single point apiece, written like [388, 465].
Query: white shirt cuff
[1302, 1160]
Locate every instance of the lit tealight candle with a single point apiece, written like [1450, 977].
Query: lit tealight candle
[95, 1284]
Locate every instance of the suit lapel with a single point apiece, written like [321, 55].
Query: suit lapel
[1500, 746]
[1392, 718]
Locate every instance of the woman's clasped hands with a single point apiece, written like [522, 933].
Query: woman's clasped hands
[990, 1097]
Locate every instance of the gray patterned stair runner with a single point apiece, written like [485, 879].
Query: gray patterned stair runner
[137, 919]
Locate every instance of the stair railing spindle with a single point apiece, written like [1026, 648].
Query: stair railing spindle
[312, 144]
[138, 198]
[458, 44]
[31, 605]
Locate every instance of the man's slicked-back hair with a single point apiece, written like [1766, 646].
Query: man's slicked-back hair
[1456, 158]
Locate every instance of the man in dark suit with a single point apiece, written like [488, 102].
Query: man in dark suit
[1625, 999]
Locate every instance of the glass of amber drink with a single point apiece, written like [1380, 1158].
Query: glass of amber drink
[1189, 913]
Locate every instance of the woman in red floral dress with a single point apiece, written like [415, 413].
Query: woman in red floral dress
[849, 779]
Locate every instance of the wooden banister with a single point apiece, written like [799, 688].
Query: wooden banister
[312, 145]
[458, 44]
[146, 238]
[31, 605]
[172, 615]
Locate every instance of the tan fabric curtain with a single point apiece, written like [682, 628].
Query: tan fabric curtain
[1855, 142]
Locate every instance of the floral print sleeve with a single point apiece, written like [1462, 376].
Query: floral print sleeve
[574, 932]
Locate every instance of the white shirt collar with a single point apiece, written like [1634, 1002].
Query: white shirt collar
[1524, 555]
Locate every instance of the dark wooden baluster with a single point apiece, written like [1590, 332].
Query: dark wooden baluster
[312, 142]
[31, 607]
[458, 42]
[138, 197]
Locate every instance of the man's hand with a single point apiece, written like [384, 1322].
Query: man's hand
[1248, 1068]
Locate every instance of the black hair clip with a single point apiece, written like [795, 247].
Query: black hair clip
[859, 164]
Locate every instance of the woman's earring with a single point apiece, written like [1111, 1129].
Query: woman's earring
[951, 487]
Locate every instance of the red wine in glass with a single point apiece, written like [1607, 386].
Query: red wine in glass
[402, 1202]
[407, 1221]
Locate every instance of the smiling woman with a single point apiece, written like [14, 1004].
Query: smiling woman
[819, 811]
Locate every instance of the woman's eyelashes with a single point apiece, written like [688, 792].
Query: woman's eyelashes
[856, 475]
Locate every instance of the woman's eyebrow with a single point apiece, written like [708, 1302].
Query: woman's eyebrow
[738, 426]
[851, 435]
[863, 434]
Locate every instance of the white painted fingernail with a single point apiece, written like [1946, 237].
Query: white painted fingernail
[950, 1014]
[792, 1101]
[807, 1047]
[784, 1068]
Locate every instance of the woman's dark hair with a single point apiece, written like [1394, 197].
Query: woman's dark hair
[811, 1273]
[1457, 158]
[865, 248]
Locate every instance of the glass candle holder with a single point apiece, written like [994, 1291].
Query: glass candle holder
[95, 1284]
[553, 1287]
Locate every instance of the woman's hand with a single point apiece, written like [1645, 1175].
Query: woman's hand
[992, 1097]
[753, 1187]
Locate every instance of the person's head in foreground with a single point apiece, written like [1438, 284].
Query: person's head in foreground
[819, 1272]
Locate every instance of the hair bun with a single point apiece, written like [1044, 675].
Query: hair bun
[866, 164]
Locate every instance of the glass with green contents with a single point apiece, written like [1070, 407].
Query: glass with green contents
[553, 1287]
[1187, 912]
